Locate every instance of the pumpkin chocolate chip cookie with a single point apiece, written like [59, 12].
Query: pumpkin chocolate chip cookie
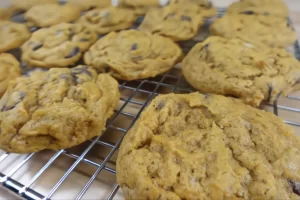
[260, 7]
[90, 4]
[12, 35]
[176, 21]
[56, 109]
[235, 67]
[23, 5]
[194, 146]
[57, 46]
[51, 14]
[105, 20]
[131, 54]
[270, 30]
[9, 70]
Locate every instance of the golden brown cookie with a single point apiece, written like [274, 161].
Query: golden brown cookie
[260, 7]
[105, 20]
[23, 5]
[270, 30]
[140, 7]
[5, 13]
[194, 146]
[206, 8]
[9, 70]
[58, 46]
[235, 67]
[46, 15]
[176, 21]
[56, 109]
[90, 4]
[12, 35]
[131, 54]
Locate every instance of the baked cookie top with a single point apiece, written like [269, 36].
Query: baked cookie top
[90, 4]
[105, 20]
[5, 13]
[270, 30]
[193, 146]
[9, 70]
[176, 21]
[23, 5]
[57, 46]
[56, 109]
[235, 67]
[140, 7]
[46, 15]
[12, 35]
[206, 8]
[260, 7]
[131, 54]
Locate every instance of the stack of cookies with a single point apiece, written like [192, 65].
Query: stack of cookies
[188, 146]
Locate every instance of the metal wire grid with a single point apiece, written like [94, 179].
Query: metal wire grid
[133, 94]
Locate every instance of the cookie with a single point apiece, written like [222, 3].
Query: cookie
[56, 109]
[270, 30]
[140, 7]
[5, 13]
[105, 20]
[23, 5]
[9, 70]
[260, 7]
[57, 46]
[194, 146]
[90, 4]
[234, 67]
[46, 15]
[131, 54]
[12, 35]
[176, 21]
[206, 8]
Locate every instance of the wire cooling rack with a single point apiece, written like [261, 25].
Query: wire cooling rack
[88, 171]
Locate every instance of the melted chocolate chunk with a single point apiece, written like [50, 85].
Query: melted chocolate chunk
[73, 53]
[248, 12]
[134, 47]
[77, 71]
[296, 187]
[10, 107]
[186, 18]
[36, 47]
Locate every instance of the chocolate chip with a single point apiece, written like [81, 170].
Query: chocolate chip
[160, 105]
[134, 47]
[36, 47]
[77, 71]
[75, 51]
[185, 18]
[248, 12]
[84, 40]
[9, 107]
[295, 186]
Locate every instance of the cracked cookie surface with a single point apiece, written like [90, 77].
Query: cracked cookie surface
[57, 46]
[273, 31]
[132, 54]
[90, 4]
[56, 109]
[200, 147]
[23, 5]
[176, 21]
[12, 35]
[105, 20]
[9, 70]
[260, 7]
[46, 15]
[234, 67]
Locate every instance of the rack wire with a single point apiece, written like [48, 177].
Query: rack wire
[98, 156]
